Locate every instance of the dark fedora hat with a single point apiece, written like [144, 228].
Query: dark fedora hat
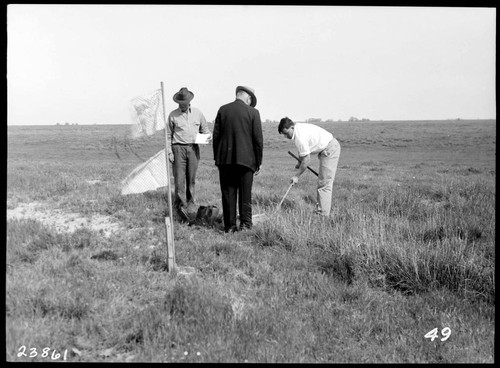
[183, 95]
[250, 91]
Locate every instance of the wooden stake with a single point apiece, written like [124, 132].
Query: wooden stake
[170, 244]
[169, 222]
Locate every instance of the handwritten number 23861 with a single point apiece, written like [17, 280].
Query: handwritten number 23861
[44, 354]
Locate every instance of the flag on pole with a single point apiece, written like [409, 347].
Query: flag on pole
[148, 114]
[150, 175]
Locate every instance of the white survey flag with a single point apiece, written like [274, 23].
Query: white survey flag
[150, 175]
[147, 112]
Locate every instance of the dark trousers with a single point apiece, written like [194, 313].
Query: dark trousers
[236, 185]
[186, 158]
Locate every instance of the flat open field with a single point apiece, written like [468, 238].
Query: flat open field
[409, 249]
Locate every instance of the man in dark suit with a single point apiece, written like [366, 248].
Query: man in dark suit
[238, 146]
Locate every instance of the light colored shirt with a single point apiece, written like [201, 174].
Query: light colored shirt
[310, 138]
[184, 126]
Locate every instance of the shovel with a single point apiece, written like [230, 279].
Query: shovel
[282, 199]
[262, 216]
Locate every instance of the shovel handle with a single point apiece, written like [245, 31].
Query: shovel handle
[295, 157]
[282, 199]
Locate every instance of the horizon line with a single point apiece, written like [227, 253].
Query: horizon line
[268, 121]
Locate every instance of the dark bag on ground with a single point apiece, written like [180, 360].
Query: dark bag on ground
[207, 215]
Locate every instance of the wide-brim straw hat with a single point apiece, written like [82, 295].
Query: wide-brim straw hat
[183, 96]
[250, 91]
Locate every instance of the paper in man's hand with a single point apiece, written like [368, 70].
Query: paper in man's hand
[202, 138]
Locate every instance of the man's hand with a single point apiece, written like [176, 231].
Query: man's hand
[171, 157]
[297, 166]
[257, 172]
[294, 180]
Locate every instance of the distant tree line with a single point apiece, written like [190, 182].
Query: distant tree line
[352, 118]
[319, 120]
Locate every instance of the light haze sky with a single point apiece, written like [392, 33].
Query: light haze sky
[84, 63]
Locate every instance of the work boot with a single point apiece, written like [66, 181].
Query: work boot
[244, 227]
[192, 207]
[231, 229]
[183, 213]
[320, 214]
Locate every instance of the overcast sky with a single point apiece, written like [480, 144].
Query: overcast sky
[85, 63]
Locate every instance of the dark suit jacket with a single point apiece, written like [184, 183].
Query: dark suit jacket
[237, 136]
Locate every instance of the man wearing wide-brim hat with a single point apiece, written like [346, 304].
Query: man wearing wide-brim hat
[238, 148]
[184, 124]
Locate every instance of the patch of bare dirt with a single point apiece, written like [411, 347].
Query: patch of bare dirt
[63, 221]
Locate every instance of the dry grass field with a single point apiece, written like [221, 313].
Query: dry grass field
[402, 272]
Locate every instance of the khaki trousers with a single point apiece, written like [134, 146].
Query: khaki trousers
[328, 160]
